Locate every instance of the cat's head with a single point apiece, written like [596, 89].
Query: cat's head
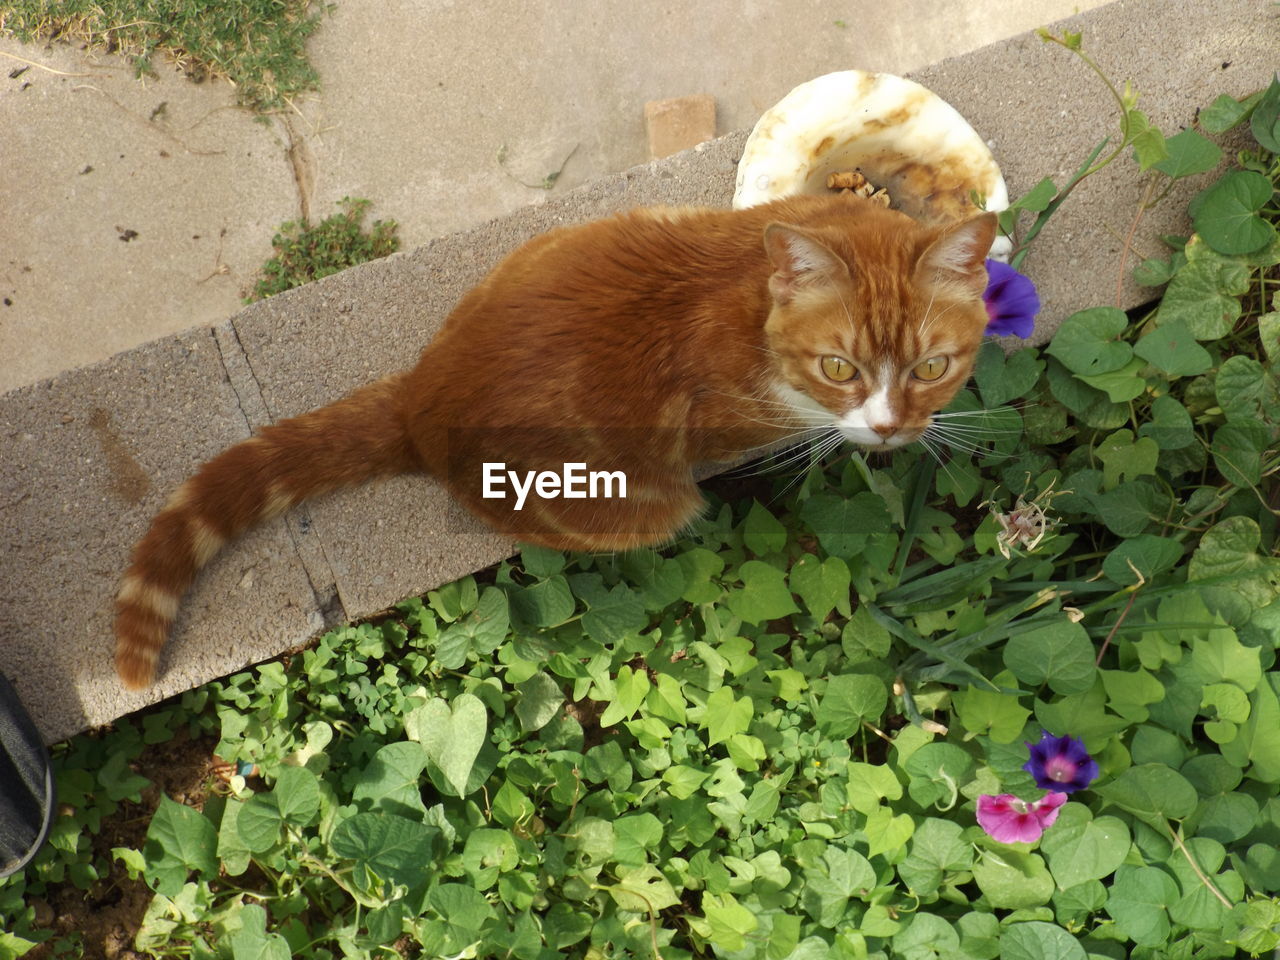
[876, 319]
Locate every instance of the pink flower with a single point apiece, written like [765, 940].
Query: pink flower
[1011, 820]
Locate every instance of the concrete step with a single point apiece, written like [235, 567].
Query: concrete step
[94, 452]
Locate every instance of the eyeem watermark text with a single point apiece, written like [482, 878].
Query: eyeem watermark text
[573, 482]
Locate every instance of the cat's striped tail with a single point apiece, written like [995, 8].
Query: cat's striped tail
[359, 437]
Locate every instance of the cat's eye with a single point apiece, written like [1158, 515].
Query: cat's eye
[838, 369]
[931, 369]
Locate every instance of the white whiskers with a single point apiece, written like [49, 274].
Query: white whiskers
[811, 447]
[817, 451]
[964, 431]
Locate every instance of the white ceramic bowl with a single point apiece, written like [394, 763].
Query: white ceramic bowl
[901, 136]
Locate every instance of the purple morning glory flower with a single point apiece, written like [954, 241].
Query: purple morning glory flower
[1061, 763]
[1012, 301]
[1011, 820]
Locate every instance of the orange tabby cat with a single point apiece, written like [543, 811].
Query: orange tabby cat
[639, 346]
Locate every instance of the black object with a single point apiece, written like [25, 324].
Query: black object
[27, 796]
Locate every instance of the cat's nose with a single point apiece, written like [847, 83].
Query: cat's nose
[886, 430]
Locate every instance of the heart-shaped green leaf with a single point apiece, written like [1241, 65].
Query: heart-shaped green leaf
[764, 594]
[1153, 272]
[1170, 425]
[1086, 342]
[179, 840]
[1058, 653]
[1205, 292]
[1013, 880]
[1269, 333]
[1226, 214]
[1089, 850]
[1228, 553]
[1237, 450]
[1245, 390]
[1121, 385]
[451, 737]
[1173, 349]
[1037, 198]
[1148, 142]
[392, 847]
[1000, 378]
[1124, 458]
[1265, 122]
[1223, 114]
[822, 585]
[1151, 792]
[1189, 153]
[1138, 901]
[1144, 555]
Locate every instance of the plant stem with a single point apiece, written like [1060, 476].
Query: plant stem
[1143, 206]
[653, 915]
[1089, 167]
[1133, 595]
[1043, 218]
[1177, 839]
[1046, 35]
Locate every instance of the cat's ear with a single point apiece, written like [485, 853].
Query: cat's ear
[798, 258]
[960, 251]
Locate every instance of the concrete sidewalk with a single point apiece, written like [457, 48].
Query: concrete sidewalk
[97, 449]
[130, 210]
